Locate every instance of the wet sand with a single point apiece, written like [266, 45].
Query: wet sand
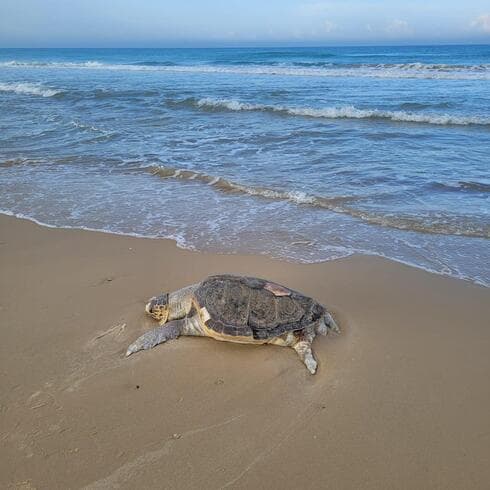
[401, 398]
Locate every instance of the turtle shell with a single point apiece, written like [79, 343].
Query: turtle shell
[252, 307]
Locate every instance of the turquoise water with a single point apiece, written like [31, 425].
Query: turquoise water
[304, 154]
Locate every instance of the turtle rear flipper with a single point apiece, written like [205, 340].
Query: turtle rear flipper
[331, 323]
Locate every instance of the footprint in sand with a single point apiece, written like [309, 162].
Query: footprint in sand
[39, 399]
[101, 282]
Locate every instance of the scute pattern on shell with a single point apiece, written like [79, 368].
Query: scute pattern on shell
[242, 306]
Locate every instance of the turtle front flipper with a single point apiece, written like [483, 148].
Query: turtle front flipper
[168, 331]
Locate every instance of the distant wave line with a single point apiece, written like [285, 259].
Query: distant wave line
[383, 70]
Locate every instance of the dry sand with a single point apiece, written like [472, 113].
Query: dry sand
[401, 399]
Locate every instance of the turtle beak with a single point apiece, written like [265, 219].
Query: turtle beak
[149, 305]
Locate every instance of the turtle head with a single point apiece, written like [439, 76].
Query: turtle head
[157, 307]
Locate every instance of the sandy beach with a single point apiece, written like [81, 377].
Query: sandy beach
[401, 398]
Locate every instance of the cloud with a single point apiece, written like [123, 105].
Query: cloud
[398, 26]
[329, 26]
[314, 9]
[482, 23]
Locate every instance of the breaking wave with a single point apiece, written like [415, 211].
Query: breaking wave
[22, 88]
[227, 186]
[344, 112]
[384, 70]
[434, 67]
[436, 224]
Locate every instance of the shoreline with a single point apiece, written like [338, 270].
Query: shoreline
[176, 243]
[400, 400]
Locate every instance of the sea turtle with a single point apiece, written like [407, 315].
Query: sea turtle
[240, 309]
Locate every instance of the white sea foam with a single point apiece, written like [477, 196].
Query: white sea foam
[395, 70]
[89, 127]
[23, 88]
[343, 112]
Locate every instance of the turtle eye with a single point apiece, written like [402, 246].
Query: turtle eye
[160, 300]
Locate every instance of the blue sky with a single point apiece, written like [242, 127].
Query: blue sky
[93, 23]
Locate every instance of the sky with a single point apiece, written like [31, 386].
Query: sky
[159, 23]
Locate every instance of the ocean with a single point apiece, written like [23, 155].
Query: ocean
[302, 154]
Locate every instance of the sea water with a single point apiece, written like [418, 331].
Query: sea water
[302, 154]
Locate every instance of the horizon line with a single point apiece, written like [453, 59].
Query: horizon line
[258, 44]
